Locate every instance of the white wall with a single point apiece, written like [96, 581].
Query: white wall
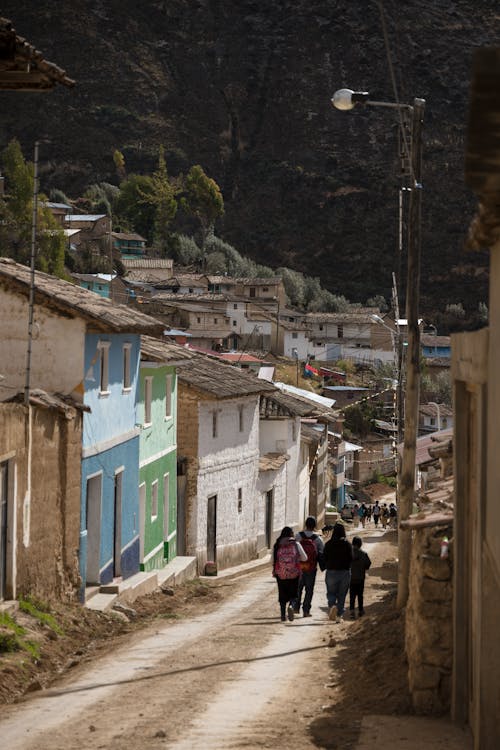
[301, 344]
[55, 339]
[227, 463]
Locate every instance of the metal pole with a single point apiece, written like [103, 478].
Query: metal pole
[31, 303]
[413, 355]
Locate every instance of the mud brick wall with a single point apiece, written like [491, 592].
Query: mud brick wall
[429, 622]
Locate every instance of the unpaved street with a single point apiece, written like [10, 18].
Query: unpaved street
[231, 678]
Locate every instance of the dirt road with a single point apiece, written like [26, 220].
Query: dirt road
[233, 677]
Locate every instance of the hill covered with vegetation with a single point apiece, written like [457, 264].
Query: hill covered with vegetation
[244, 90]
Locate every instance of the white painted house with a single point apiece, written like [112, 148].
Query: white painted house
[218, 442]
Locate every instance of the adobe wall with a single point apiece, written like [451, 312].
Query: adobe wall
[429, 622]
[46, 521]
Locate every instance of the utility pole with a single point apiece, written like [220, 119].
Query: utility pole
[411, 401]
[31, 304]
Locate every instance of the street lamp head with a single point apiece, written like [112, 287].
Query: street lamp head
[346, 99]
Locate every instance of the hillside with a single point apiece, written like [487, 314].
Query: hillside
[244, 89]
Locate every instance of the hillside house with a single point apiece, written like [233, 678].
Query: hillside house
[218, 449]
[87, 348]
[435, 346]
[129, 244]
[149, 271]
[100, 283]
[434, 417]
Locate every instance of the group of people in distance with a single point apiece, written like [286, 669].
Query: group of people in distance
[387, 515]
[295, 562]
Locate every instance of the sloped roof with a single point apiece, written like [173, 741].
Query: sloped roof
[72, 299]
[431, 411]
[84, 217]
[428, 339]
[24, 68]
[138, 263]
[220, 379]
[280, 403]
[356, 318]
[164, 350]
[128, 236]
[272, 461]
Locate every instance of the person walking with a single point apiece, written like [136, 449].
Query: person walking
[338, 558]
[360, 564]
[393, 516]
[384, 515]
[287, 556]
[313, 546]
[376, 513]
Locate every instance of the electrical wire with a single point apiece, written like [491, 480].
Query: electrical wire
[406, 146]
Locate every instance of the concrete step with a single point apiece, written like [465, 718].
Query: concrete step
[101, 602]
[179, 570]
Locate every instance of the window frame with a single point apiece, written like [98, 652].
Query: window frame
[104, 347]
[154, 499]
[148, 400]
[127, 367]
[169, 379]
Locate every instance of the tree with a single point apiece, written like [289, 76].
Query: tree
[203, 199]
[160, 194]
[16, 211]
[132, 210]
[119, 161]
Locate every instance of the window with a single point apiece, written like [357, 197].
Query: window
[198, 320]
[215, 320]
[190, 291]
[294, 431]
[240, 417]
[126, 366]
[168, 396]
[320, 326]
[235, 323]
[433, 421]
[148, 397]
[295, 335]
[235, 306]
[240, 499]
[214, 424]
[104, 364]
[340, 332]
[265, 288]
[318, 343]
[252, 291]
[154, 500]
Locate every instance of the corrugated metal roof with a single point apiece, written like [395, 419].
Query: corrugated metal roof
[84, 217]
[60, 295]
[147, 263]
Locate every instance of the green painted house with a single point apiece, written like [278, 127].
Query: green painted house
[157, 417]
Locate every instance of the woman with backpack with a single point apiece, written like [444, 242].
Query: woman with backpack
[287, 556]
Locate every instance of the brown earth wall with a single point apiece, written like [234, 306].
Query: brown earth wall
[429, 622]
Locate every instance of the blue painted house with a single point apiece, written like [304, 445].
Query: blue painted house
[435, 346]
[95, 282]
[88, 348]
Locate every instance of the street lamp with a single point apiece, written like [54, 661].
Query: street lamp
[346, 99]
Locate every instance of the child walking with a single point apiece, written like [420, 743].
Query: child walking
[360, 564]
[287, 556]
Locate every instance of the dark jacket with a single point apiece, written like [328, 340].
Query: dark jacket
[337, 554]
[360, 564]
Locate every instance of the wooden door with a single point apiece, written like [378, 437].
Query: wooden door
[212, 529]
[3, 527]
[269, 518]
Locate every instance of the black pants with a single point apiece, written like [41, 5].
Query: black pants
[356, 590]
[288, 589]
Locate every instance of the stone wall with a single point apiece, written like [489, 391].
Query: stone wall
[429, 622]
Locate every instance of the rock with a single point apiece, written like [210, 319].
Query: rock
[168, 590]
[332, 643]
[160, 733]
[92, 728]
[128, 611]
[120, 615]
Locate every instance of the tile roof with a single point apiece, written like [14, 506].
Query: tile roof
[72, 299]
[24, 68]
[428, 339]
[162, 350]
[272, 461]
[220, 379]
[128, 236]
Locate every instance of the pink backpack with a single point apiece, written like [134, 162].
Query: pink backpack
[287, 561]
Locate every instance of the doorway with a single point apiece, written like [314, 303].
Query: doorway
[94, 501]
[117, 542]
[4, 487]
[212, 529]
[269, 518]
